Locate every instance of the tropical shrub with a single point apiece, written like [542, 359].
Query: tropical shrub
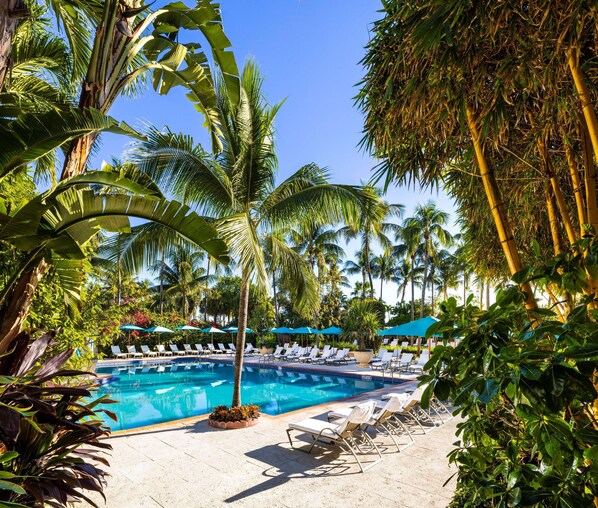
[529, 435]
[50, 448]
[362, 322]
[235, 413]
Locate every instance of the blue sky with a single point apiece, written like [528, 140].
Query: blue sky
[309, 53]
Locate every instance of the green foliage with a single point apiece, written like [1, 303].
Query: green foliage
[49, 437]
[235, 414]
[362, 322]
[529, 434]
[401, 312]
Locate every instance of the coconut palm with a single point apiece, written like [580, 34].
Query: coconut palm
[318, 243]
[237, 186]
[358, 267]
[404, 274]
[372, 226]
[427, 228]
[384, 267]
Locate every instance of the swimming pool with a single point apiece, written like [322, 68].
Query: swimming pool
[158, 392]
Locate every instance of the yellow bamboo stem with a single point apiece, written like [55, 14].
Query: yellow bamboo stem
[589, 176]
[589, 112]
[577, 188]
[562, 205]
[557, 241]
[497, 207]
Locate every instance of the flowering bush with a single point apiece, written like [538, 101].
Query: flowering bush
[235, 414]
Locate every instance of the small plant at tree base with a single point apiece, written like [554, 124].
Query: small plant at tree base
[235, 414]
[50, 450]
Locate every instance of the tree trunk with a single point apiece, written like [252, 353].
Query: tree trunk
[403, 289]
[465, 281]
[162, 284]
[425, 282]
[368, 266]
[499, 212]
[275, 297]
[381, 284]
[589, 176]
[487, 294]
[242, 326]
[15, 308]
[585, 97]
[10, 12]
[577, 188]
[412, 288]
[363, 275]
[553, 220]
[205, 309]
[432, 291]
[481, 294]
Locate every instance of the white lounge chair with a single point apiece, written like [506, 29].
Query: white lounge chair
[383, 363]
[345, 432]
[162, 351]
[313, 354]
[383, 419]
[174, 348]
[133, 352]
[382, 351]
[232, 349]
[190, 351]
[420, 363]
[213, 350]
[117, 353]
[222, 349]
[147, 351]
[326, 355]
[341, 357]
[384, 342]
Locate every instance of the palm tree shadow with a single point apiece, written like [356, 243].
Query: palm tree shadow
[287, 464]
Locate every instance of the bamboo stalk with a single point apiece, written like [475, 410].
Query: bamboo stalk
[562, 205]
[497, 207]
[589, 112]
[589, 176]
[557, 240]
[577, 187]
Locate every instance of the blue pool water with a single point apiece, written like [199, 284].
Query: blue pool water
[155, 393]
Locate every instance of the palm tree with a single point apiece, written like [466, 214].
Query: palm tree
[237, 186]
[410, 249]
[371, 226]
[448, 270]
[405, 273]
[427, 226]
[182, 277]
[358, 266]
[318, 243]
[384, 267]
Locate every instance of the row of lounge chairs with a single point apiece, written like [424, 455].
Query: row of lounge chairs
[174, 350]
[392, 416]
[295, 353]
[394, 361]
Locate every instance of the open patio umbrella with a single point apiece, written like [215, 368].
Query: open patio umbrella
[417, 328]
[305, 330]
[130, 328]
[187, 328]
[158, 329]
[335, 331]
[234, 329]
[282, 329]
[212, 330]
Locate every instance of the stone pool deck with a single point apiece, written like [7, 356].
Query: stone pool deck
[190, 464]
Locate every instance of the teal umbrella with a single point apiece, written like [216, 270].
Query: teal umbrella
[131, 328]
[211, 329]
[331, 330]
[234, 329]
[417, 328]
[187, 328]
[305, 330]
[158, 329]
[282, 329]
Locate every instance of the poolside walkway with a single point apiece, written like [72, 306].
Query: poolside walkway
[190, 464]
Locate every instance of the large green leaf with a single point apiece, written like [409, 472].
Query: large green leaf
[59, 222]
[32, 136]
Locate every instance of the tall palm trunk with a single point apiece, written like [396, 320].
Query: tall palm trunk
[412, 288]
[363, 276]
[498, 209]
[275, 298]
[403, 289]
[368, 265]
[381, 284]
[162, 284]
[10, 12]
[425, 281]
[205, 308]
[240, 346]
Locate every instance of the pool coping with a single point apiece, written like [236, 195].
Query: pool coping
[182, 422]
